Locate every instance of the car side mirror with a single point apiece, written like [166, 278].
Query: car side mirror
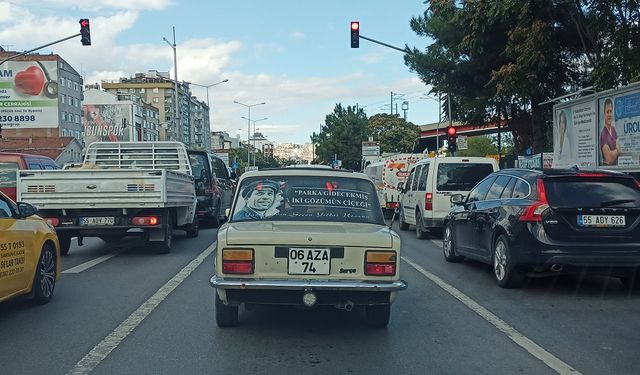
[457, 199]
[26, 209]
[227, 212]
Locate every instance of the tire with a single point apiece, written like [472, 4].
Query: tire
[65, 243]
[401, 223]
[507, 275]
[631, 279]
[377, 316]
[44, 281]
[226, 316]
[194, 228]
[449, 246]
[420, 231]
[167, 243]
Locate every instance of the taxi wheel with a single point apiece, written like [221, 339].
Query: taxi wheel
[226, 316]
[165, 245]
[45, 279]
[420, 231]
[194, 228]
[402, 224]
[65, 244]
[377, 316]
[507, 275]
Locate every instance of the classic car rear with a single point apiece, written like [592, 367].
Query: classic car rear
[306, 237]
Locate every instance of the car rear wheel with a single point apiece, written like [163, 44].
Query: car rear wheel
[377, 316]
[449, 245]
[420, 231]
[45, 279]
[401, 222]
[65, 243]
[506, 273]
[631, 279]
[226, 316]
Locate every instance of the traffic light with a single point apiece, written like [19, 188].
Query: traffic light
[451, 139]
[355, 34]
[85, 33]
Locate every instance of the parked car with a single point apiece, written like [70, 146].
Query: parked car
[544, 223]
[215, 186]
[306, 237]
[425, 200]
[11, 163]
[29, 253]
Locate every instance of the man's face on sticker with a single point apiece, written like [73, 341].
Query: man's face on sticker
[261, 199]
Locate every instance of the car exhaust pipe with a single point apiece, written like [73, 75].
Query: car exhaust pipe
[347, 306]
[556, 267]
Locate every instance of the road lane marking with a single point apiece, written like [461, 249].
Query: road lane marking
[86, 265]
[527, 344]
[109, 343]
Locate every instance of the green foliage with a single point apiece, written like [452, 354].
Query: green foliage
[479, 146]
[342, 135]
[393, 133]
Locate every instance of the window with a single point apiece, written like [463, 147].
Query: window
[142, 90]
[63, 99]
[155, 90]
[75, 86]
[219, 168]
[461, 176]
[521, 190]
[422, 184]
[61, 81]
[8, 174]
[69, 83]
[498, 186]
[416, 177]
[508, 190]
[35, 166]
[480, 191]
[155, 100]
[602, 192]
[5, 208]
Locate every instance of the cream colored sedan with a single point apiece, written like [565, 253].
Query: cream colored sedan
[306, 237]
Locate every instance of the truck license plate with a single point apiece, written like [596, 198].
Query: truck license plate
[99, 220]
[303, 261]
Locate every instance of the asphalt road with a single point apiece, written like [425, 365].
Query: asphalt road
[137, 312]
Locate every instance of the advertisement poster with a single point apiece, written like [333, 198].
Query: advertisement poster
[574, 137]
[530, 161]
[29, 94]
[619, 131]
[106, 122]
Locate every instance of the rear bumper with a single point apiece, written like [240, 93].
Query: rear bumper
[308, 285]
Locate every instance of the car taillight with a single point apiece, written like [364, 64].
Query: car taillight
[145, 220]
[53, 221]
[533, 213]
[392, 205]
[428, 202]
[380, 263]
[637, 183]
[237, 261]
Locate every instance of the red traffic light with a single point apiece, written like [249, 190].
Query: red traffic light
[355, 34]
[355, 25]
[85, 32]
[84, 23]
[451, 131]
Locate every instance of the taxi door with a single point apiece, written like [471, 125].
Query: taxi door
[17, 253]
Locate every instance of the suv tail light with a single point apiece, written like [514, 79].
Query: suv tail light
[237, 261]
[428, 202]
[380, 263]
[533, 213]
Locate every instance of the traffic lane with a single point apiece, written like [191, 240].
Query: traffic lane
[92, 248]
[429, 332]
[87, 306]
[589, 322]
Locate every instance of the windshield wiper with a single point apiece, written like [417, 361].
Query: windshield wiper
[614, 202]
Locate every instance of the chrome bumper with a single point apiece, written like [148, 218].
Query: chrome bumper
[362, 286]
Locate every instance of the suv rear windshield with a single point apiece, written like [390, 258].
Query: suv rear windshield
[592, 192]
[307, 198]
[8, 174]
[461, 176]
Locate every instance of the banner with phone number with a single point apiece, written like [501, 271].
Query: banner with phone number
[29, 94]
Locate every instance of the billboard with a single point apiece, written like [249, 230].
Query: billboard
[29, 94]
[106, 122]
[619, 130]
[574, 135]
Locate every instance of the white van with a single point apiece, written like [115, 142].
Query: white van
[430, 184]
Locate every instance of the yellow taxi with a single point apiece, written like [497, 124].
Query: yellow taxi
[29, 253]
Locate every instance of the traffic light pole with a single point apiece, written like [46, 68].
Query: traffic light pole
[385, 44]
[37, 48]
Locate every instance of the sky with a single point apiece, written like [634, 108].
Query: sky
[294, 55]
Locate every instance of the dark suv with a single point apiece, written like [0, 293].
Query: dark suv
[543, 223]
[215, 186]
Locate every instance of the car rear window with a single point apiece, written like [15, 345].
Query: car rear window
[592, 192]
[8, 174]
[461, 176]
[307, 198]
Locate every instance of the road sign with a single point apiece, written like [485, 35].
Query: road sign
[462, 142]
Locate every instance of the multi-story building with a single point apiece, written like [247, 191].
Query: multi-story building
[118, 117]
[261, 143]
[199, 130]
[222, 140]
[40, 96]
[157, 89]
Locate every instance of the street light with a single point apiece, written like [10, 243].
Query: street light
[207, 87]
[254, 133]
[175, 76]
[248, 125]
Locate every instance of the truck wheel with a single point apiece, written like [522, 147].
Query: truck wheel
[65, 243]
[226, 316]
[165, 245]
[194, 228]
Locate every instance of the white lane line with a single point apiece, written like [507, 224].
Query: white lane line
[534, 349]
[436, 242]
[86, 265]
[109, 343]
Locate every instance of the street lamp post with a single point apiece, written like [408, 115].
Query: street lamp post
[175, 77]
[209, 105]
[248, 126]
[254, 134]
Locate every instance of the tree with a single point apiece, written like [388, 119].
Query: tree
[479, 146]
[393, 133]
[342, 135]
